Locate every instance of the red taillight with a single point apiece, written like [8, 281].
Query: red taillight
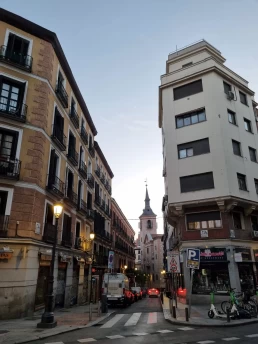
[156, 291]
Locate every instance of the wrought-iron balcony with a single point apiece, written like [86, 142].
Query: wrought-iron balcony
[74, 117]
[49, 233]
[107, 211]
[83, 169]
[56, 186]
[4, 221]
[90, 214]
[58, 137]
[102, 178]
[67, 239]
[97, 171]
[9, 168]
[84, 135]
[91, 181]
[108, 187]
[72, 155]
[72, 197]
[92, 151]
[103, 205]
[16, 113]
[16, 59]
[78, 243]
[98, 200]
[62, 94]
[82, 207]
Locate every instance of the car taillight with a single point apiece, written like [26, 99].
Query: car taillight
[156, 291]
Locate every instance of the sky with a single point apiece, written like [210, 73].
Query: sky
[117, 50]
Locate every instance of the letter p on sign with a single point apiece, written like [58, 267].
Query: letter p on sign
[193, 258]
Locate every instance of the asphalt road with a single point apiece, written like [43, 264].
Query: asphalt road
[143, 323]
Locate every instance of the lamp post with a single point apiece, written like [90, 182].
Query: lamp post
[92, 237]
[125, 267]
[48, 319]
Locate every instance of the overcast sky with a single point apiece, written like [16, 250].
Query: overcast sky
[117, 51]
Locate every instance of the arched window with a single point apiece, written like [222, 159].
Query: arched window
[149, 224]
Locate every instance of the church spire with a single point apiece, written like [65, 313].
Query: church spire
[147, 211]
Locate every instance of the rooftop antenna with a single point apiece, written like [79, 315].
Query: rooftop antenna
[146, 182]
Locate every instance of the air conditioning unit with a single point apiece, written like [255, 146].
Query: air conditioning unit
[255, 234]
[230, 95]
[232, 234]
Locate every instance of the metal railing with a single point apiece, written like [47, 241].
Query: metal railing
[74, 117]
[62, 94]
[67, 239]
[83, 207]
[59, 137]
[17, 113]
[49, 233]
[4, 221]
[9, 168]
[97, 171]
[84, 135]
[90, 214]
[91, 180]
[21, 61]
[56, 186]
[83, 169]
[92, 151]
[102, 178]
[72, 196]
[72, 155]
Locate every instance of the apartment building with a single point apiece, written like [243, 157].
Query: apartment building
[47, 154]
[123, 240]
[208, 118]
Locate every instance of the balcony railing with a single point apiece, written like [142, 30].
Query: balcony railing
[16, 113]
[108, 187]
[90, 214]
[107, 210]
[92, 151]
[72, 155]
[67, 239]
[78, 243]
[82, 207]
[62, 94]
[58, 137]
[83, 169]
[56, 186]
[74, 117]
[84, 135]
[102, 178]
[91, 181]
[98, 200]
[9, 168]
[16, 59]
[49, 233]
[97, 171]
[72, 197]
[103, 205]
[4, 221]
[99, 260]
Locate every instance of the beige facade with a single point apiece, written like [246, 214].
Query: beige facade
[47, 154]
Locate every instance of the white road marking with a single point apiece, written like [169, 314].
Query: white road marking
[113, 321]
[140, 334]
[252, 335]
[185, 328]
[152, 318]
[133, 319]
[164, 331]
[206, 342]
[86, 340]
[230, 338]
[115, 337]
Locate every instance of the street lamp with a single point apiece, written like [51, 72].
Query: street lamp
[135, 269]
[163, 272]
[125, 267]
[48, 319]
[92, 237]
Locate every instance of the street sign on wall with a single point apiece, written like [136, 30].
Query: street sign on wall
[193, 258]
[111, 260]
[173, 262]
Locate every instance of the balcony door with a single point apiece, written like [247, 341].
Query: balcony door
[59, 125]
[11, 96]
[53, 167]
[60, 79]
[49, 214]
[8, 144]
[89, 200]
[70, 178]
[17, 45]
[3, 201]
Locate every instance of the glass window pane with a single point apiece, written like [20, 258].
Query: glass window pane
[230, 118]
[211, 224]
[187, 120]
[201, 116]
[204, 224]
[4, 93]
[182, 153]
[14, 96]
[15, 90]
[191, 225]
[194, 119]
[6, 87]
[190, 152]
[217, 223]
[197, 225]
[179, 122]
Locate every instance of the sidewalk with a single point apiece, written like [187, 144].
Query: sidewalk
[68, 319]
[199, 316]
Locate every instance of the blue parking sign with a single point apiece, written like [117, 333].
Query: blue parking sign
[193, 258]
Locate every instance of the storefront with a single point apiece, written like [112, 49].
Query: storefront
[63, 261]
[256, 263]
[213, 274]
[75, 281]
[244, 261]
[42, 282]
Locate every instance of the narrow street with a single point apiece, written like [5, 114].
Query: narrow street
[143, 322]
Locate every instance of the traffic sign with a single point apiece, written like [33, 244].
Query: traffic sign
[193, 258]
[173, 262]
[110, 259]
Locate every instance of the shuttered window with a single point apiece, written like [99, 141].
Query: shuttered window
[197, 182]
[188, 90]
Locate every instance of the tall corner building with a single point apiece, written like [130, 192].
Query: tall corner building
[208, 118]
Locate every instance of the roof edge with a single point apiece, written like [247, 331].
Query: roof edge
[102, 157]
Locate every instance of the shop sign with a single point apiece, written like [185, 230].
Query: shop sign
[213, 254]
[45, 257]
[173, 262]
[6, 253]
[238, 257]
[256, 255]
[110, 259]
[245, 254]
[193, 258]
[204, 233]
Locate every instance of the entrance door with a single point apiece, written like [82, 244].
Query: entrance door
[61, 282]
[41, 290]
[75, 284]
[3, 201]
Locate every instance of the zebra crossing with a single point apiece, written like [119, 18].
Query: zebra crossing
[152, 318]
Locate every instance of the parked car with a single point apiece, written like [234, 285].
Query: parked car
[144, 292]
[116, 287]
[132, 298]
[137, 293]
[153, 292]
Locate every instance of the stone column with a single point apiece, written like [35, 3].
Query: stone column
[233, 269]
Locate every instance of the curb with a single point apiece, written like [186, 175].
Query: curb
[64, 330]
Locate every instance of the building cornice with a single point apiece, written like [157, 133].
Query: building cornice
[103, 159]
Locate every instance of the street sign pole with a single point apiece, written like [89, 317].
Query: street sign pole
[192, 263]
[190, 292]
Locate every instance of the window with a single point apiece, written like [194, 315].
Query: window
[197, 182]
[190, 118]
[147, 250]
[49, 213]
[89, 200]
[232, 117]
[236, 147]
[193, 148]
[241, 181]
[206, 220]
[53, 171]
[188, 90]
[254, 221]
[8, 144]
[17, 46]
[237, 220]
[149, 224]
[256, 185]
[187, 64]
[11, 97]
[252, 153]
[243, 98]
[227, 87]
[248, 126]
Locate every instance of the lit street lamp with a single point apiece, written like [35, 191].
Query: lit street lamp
[92, 237]
[48, 319]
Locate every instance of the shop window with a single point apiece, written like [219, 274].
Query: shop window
[237, 220]
[207, 220]
[254, 221]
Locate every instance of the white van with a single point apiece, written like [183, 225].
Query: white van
[116, 287]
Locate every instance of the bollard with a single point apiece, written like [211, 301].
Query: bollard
[228, 314]
[174, 312]
[186, 314]
[104, 305]
[90, 312]
[99, 305]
